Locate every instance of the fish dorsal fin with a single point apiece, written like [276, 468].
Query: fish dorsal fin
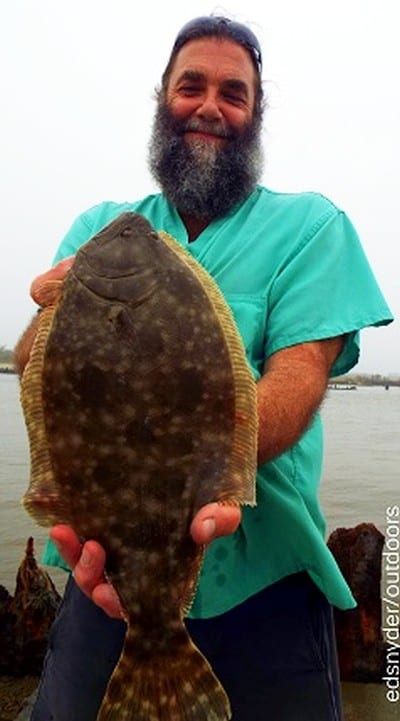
[42, 483]
[239, 485]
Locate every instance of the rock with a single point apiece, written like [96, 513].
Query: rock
[7, 624]
[26, 618]
[361, 648]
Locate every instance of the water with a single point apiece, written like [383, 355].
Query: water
[15, 524]
[362, 451]
[360, 480]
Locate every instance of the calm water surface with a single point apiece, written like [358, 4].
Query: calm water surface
[362, 451]
[15, 524]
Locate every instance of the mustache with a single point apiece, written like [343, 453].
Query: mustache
[179, 126]
[217, 128]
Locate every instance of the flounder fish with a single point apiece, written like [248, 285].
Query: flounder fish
[141, 408]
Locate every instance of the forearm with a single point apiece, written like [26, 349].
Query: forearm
[287, 401]
[290, 392]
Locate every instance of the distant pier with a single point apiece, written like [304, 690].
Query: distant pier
[342, 386]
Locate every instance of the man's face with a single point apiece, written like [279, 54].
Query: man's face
[212, 85]
[205, 150]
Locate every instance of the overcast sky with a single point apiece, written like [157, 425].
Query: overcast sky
[77, 80]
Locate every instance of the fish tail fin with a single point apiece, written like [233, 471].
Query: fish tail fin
[175, 685]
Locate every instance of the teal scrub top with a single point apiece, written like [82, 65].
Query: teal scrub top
[292, 269]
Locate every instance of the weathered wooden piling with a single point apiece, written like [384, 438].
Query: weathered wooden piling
[361, 648]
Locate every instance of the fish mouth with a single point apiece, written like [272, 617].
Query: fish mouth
[133, 288]
[121, 262]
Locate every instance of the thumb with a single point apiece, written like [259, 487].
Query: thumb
[213, 520]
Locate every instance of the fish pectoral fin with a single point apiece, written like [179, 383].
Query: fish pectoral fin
[175, 686]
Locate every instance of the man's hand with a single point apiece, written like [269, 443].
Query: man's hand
[57, 273]
[87, 561]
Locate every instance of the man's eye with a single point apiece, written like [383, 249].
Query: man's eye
[189, 90]
[234, 99]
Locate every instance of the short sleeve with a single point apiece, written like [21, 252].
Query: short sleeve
[324, 289]
[87, 225]
[79, 233]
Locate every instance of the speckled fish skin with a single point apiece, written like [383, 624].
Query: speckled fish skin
[140, 409]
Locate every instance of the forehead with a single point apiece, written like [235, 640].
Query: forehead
[214, 58]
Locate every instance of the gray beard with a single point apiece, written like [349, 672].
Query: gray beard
[202, 179]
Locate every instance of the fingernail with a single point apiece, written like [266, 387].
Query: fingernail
[86, 558]
[209, 527]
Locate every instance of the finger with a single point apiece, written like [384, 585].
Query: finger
[105, 596]
[89, 570]
[213, 520]
[67, 543]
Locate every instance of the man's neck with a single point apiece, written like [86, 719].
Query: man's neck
[194, 226]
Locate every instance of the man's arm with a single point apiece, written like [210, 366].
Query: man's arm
[290, 392]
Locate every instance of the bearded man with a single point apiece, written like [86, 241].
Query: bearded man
[292, 269]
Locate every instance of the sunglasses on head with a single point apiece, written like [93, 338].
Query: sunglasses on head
[223, 27]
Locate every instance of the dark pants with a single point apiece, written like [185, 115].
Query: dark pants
[274, 654]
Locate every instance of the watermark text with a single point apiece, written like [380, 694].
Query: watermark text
[391, 603]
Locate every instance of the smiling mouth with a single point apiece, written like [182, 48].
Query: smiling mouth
[206, 135]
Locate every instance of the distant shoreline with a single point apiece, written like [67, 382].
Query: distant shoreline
[5, 368]
[350, 382]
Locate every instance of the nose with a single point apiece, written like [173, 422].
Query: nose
[209, 108]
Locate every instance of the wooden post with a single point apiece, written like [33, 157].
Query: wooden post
[361, 648]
